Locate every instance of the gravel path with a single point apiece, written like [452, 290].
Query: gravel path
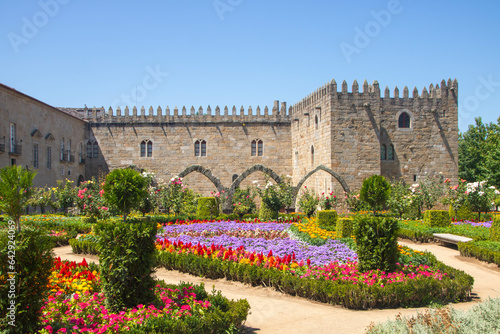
[274, 312]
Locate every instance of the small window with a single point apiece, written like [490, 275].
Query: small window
[404, 120]
[197, 148]
[95, 150]
[414, 178]
[383, 152]
[312, 155]
[62, 149]
[390, 152]
[203, 148]
[316, 122]
[89, 150]
[35, 156]
[150, 148]
[62, 170]
[69, 150]
[260, 148]
[143, 148]
[254, 148]
[49, 157]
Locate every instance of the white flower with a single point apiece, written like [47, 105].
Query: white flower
[492, 187]
[497, 192]
[255, 181]
[481, 193]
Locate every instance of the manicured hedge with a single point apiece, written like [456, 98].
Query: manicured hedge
[207, 208]
[345, 227]
[495, 228]
[437, 218]
[415, 235]
[463, 213]
[488, 251]
[327, 218]
[84, 247]
[416, 292]
[377, 243]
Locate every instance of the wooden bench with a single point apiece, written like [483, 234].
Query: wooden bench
[450, 238]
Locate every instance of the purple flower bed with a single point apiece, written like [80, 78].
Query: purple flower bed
[468, 222]
[331, 251]
[226, 226]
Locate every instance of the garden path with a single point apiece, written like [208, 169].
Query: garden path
[274, 312]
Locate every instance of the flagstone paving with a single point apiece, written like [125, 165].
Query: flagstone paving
[274, 312]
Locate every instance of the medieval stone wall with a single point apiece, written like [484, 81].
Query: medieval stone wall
[228, 139]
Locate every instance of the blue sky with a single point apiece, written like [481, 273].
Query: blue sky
[69, 53]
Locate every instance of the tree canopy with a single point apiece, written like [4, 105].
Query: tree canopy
[479, 153]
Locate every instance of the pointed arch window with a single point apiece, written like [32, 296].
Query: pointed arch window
[203, 148]
[383, 152]
[89, 150]
[143, 148]
[390, 152]
[95, 150]
[149, 152]
[257, 147]
[404, 120]
[254, 148]
[200, 148]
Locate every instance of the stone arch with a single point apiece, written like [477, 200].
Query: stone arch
[253, 169]
[204, 171]
[323, 168]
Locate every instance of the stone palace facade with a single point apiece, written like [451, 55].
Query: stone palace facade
[331, 140]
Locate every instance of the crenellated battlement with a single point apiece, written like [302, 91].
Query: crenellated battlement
[184, 115]
[372, 93]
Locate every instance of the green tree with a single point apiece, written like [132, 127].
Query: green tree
[274, 197]
[400, 200]
[308, 202]
[478, 153]
[375, 191]
[15, 191]
[125, 188]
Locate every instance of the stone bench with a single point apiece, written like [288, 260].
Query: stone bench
[450, 238]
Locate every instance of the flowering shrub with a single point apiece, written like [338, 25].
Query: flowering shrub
[480, 197]
[89, 199]
[328, 201]
[172, 196]
[308, 201]
[244, 202]
[274, 197]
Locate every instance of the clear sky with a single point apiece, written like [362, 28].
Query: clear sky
[69, 53]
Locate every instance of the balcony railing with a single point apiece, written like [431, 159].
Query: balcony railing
[64, 157]
[16, 148]
[71, 158]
